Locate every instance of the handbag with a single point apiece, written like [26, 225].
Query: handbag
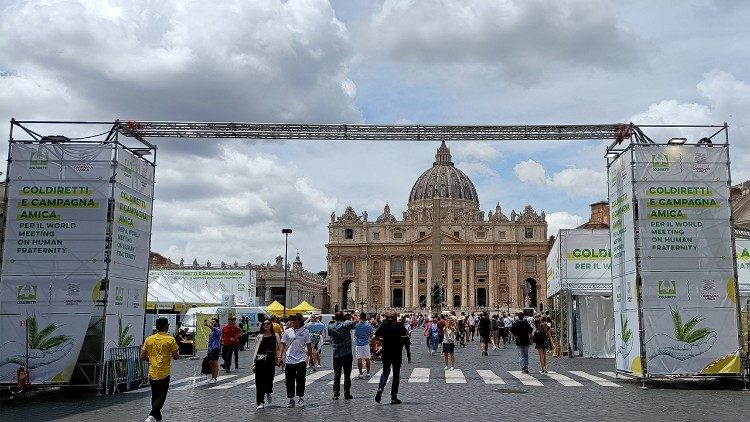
[263, 357]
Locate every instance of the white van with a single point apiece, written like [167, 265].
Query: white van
[255, 316]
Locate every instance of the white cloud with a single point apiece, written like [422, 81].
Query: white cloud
[479, 151]
[522, 38]
[562, 220]
[474, 168]
[573, 181]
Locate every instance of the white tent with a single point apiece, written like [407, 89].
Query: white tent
[186, 292]
[159, 291]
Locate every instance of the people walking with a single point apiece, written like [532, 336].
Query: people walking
[230, 341]
[391, 333]
[472, 321]
[159, 350]
[484, 327]
[521, 331]
[362, 333]
[245, 332]
[449, 345]
[407, 338]
[214, 348]
[266, 357]
[507, 323]
[317, 334]
[341, 343]
[432, 332]
[541, 338]
[296, 347]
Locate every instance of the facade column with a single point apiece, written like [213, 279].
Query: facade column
[449, 281]
[515, 289]
[472, 292]
[407, 283]
[464, 283]
[335, 283]
[415, 282]
[387, 283]
[364, 281]
[428, 282]
[268, 298]
[492, 282]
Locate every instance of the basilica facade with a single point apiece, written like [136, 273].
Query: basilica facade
[486, 261]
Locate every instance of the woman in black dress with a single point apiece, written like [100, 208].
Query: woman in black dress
[267, 356]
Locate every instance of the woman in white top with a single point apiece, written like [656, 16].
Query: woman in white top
[449, 343]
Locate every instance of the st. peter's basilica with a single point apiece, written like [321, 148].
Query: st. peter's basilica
[489, 261]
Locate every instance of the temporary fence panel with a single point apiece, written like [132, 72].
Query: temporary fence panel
[597, 327]
[126, 371]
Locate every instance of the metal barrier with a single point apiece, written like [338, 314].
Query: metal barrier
[125, 370]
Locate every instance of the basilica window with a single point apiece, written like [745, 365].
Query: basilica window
[528, 232]
[456, 266]
[376, 236]
[456, 234]
[348, 233]
[530, 267]
[376, 267]
[348, 268]
[397, 281]
[481, 235]
[398, 235]
[481, 266]
[503, 268]
[422, 267]
[502, 234]
[398, 266]
[422, 234]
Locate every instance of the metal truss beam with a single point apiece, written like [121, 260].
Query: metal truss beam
[358, 132]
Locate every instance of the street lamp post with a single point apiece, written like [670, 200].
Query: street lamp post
[286, 233]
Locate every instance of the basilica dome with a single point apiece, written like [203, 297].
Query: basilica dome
[453, 183]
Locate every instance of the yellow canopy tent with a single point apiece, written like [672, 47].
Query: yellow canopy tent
[303, 307]
[276, 308]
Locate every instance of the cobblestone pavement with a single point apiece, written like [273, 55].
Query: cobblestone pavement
[479, 389]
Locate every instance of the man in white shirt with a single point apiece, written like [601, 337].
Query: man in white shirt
[507, 323]
[297, 345]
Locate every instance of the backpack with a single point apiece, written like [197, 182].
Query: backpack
[205, 366]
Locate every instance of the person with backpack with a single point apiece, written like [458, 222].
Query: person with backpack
[540, 337]
[317, 332]
[266, 357]
[521, 332]
[431, 331]
[297, 346]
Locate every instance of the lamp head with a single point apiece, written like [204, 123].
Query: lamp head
[286, 231]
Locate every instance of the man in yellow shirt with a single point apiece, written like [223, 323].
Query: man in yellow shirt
[158, 350]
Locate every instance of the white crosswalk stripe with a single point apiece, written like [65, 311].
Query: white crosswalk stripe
[276, 379]
[490, 377]
[564, 380]
[376, 377]
[599, 380]
[195, 384]
[233, 383]
[454, 377]
[616, 375]
[171, 384]
[420, 375]
[417, 376]
[526, 379]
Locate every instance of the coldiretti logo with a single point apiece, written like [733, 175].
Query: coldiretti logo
[591, 253]
[26, 294]
[743, 259]
[667, 288]
[39, 159]
[659, 162]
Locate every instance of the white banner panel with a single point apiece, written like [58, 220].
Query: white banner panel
[553, 268]
[622, 246]
[680, 163]
[688, 292]
[57, 311]
[587, 257]
[236, 282]
[742, 249]
[131, 240]
[54, 255]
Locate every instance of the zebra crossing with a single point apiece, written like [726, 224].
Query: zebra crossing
[419, 376]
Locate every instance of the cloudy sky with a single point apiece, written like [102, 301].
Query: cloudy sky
[366, 61]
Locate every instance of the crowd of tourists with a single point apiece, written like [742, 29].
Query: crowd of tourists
[295, 345]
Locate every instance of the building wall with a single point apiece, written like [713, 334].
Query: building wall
[384, 257]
